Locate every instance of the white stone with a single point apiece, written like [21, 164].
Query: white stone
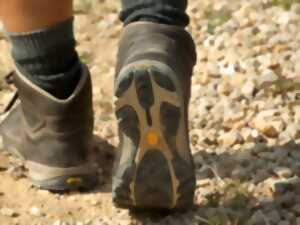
[268, 28]
[79, 223]
[297, 68]
[228, 70]
[268, 76]
[7, 212]
[35, 211]
[287, 18]
[269, 127]
[248, 88]
[230, 138]
[296, 8]
[283, 172]
[213, 68]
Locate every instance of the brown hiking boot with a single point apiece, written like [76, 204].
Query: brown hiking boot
[53, 136]
[155, 168]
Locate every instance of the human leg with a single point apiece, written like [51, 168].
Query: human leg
[43, 44]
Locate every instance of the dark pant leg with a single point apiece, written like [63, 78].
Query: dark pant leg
[171, 12]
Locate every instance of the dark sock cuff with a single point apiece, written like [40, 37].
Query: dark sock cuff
[47, 51]
[60, 85]
[48, 58]
[170, 12]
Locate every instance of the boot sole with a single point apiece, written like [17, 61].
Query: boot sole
[67, 183]
[149, 109]
[54, 178]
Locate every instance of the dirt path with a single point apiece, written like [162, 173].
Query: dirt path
[244, 121]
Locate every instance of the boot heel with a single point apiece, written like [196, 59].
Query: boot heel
[151, 173]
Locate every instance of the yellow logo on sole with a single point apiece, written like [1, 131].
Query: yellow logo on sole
[74, 180]
[152, 138]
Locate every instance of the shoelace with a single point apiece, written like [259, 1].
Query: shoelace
[9, 79]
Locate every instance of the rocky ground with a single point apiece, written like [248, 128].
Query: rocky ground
[244, 120]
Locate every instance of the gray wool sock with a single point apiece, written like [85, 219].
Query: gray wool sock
[48, 57]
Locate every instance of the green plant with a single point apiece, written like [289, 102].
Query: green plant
[217, 18]
[286, 4]
[86, 57]
[230, 193]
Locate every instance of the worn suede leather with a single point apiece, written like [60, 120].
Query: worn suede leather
[50, 131]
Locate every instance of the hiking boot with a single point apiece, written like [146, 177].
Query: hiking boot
[155, 168]
[52, 136]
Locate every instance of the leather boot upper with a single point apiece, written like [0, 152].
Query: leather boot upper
[50, 131]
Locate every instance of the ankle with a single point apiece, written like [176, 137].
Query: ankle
[48, 58]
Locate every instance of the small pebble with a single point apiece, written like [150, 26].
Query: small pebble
[8, 212]
[35, 211]
[283, 172]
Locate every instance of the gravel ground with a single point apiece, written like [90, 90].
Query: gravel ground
[244, 120]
